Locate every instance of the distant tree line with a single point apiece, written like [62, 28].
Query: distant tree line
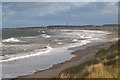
[106, 25]
[63, 26]
[111, 24]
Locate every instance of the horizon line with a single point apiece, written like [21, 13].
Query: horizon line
[60, 25]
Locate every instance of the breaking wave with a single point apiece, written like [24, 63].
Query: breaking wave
[36, 52]
[46, 36]
[11, 40]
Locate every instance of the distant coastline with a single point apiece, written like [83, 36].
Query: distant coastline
[66, 26]
[105, 27]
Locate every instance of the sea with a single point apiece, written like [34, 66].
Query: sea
[25, 51]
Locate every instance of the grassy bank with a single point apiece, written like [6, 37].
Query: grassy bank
[106, 64]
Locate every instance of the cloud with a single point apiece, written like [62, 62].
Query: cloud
[45, 13]
[91, 8]
[39, 9]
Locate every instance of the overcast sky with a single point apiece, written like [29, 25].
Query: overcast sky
[20, 14]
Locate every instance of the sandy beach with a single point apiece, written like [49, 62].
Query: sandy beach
[81, 56]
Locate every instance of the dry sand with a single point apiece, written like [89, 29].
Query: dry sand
[81, 56]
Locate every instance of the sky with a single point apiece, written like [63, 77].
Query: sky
[60, 0]
[25, 14]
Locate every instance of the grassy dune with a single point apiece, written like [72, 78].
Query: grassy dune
[106, 64]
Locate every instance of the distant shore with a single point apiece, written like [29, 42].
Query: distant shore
[81, 56]
[89, 27]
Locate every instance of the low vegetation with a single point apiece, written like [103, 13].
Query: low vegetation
[106, 64]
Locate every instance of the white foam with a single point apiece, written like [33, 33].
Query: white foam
[30, 54]
[43, 31]
[75, 40]
[11, 40]
[2, 57]
[79, 43]
[59, 43]
[46, 36]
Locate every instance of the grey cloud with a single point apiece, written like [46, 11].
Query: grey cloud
[45, 13]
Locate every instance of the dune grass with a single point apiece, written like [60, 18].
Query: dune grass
[106, 64]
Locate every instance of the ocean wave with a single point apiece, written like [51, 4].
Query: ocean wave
[75, 40]
[11, 40]
[30, 37]
[79, 43]
[4, 57]
[46, 36]
[57, 40]
[59, 43]
[26, 55]
[38, 31]
[43, 32]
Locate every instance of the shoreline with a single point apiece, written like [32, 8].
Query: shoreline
[81, 56]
